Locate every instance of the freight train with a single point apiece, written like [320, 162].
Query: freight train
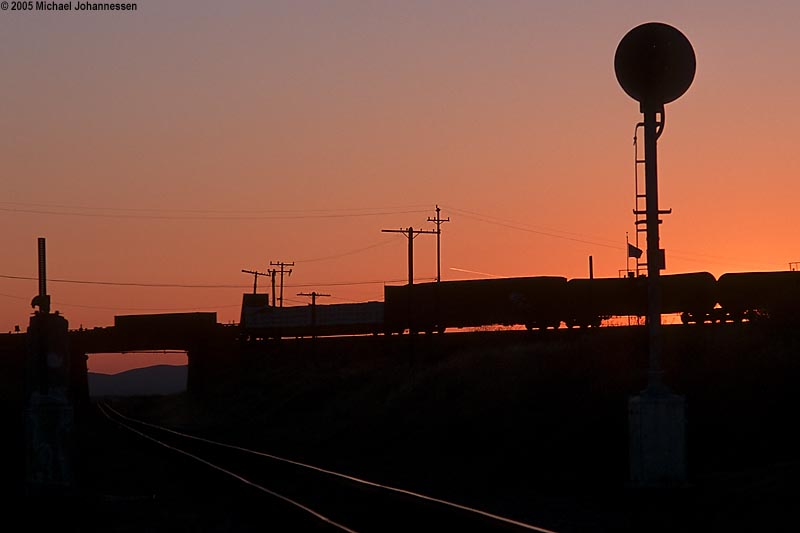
[536, 303]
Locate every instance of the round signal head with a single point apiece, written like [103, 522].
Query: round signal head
[655, 63]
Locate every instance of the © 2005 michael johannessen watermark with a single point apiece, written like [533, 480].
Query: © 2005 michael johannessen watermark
[66, 6]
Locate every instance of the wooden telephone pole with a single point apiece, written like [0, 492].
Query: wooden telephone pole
[410, 233]
[282, 271]
[255, 274]
[438, 221]
[313, 296]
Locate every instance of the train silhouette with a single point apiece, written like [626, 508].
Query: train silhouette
[536, 303]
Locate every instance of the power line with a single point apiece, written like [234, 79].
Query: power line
[349, 283]
[210, 217]
[350, 252]
[342, 299]
[205, 286]
[131, 284]
[314, 295]
[15, 297]
[185, 309]
[520, 227]
[234, 211]
[680, 254]
[120, 308]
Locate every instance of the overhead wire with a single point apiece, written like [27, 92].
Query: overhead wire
[125, 308]
[236, 210]
[594, 240]
[131, 283]
[324, 213]
[202, 286]
[522, 227]
[210, 308]
[717, 260]
[312, 213]
[203, 214]
[350, 252]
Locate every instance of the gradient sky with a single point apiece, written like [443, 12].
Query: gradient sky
[185, 141]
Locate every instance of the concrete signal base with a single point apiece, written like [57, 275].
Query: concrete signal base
[657, 440]
[49, 422]
[49, 414]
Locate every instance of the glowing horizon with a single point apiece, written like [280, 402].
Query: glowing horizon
[170, 148]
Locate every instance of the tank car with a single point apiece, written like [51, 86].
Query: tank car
[693, 295]
[755, 295]
[593, 300]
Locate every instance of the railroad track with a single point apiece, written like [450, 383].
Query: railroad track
[314, 498]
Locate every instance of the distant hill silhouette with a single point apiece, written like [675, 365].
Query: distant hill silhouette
[151, 380]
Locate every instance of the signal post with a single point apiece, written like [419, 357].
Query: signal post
[49, 412]
[655, 64]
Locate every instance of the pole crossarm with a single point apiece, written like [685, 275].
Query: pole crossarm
[282, 271]
[410, 234]
[255, 274]
[405, 232]
[438, 221]
[314, 295]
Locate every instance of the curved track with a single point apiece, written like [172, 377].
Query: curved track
[334, 501]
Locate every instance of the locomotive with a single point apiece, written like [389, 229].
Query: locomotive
[537, 303]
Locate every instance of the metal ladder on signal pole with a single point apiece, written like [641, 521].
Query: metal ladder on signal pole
[640, 204]
[640, 208]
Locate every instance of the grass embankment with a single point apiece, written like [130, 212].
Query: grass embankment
[531, 426]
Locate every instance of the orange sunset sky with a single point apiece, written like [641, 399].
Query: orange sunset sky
[186, 141]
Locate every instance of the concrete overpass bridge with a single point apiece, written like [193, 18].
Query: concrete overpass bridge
[198, 334]
[208, 346]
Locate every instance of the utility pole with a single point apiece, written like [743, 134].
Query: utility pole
[255, 274]
[313, 295]
[438, 221]
[272, 273]
[411, 233]
[282, 271]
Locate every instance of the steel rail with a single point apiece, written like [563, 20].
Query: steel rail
[440, 501]
[244, 480]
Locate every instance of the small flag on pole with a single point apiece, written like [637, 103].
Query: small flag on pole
[634, 251]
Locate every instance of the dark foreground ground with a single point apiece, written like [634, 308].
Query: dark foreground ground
[533, 427]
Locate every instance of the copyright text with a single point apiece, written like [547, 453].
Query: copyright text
[66, 6]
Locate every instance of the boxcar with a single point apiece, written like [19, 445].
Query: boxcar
[535, 302]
